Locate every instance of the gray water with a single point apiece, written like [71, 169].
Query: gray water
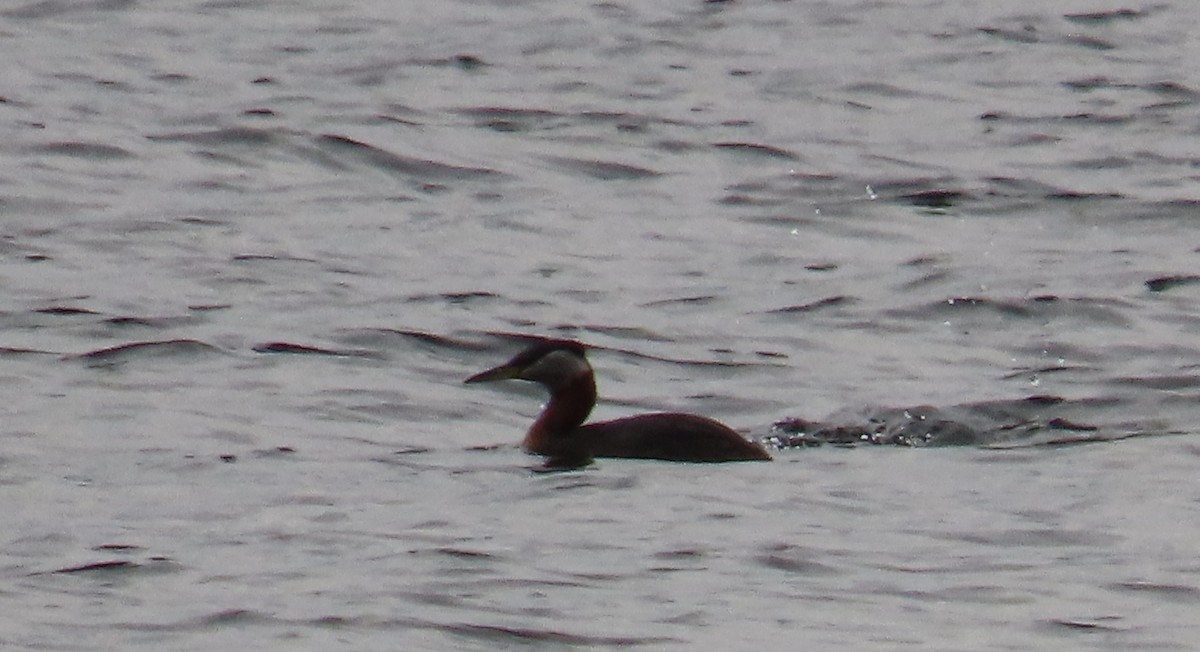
[249, 251]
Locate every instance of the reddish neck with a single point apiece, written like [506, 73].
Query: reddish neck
[569, 406]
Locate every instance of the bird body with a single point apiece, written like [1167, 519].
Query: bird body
[560, 434]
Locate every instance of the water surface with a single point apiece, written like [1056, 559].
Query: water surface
[249, 253]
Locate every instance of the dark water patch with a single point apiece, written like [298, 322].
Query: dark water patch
[939, 270]
[892, 188]
[1035, 194]
[1028, 30]
[685, 362]
[209, 307]
[412, 450]
[937, 198]
[626, 333]
[1100, 119]
[454, 298]
[813, 306]
[467, 61]
[1089, 42]
[1168, 105]
[528, 636]
[1050, 441]
[159, 323]
[387, 411]
[934, 278]
[818, 189]
[172, 78]
[395, 119]
[1171, 209]
[89, 151]
[1165, 382]
[744, 199]
[926, 260]
[1026, 35]
[61, 8]
[1171, 89]
[505, 341]
[116, 567]
[681, 554]
[756, 149]
[1077, 625]
[793, 559]
[1049, 537]
[258, 137]
[1092, 83]
[206, 622]
[250, 258]
[231, 617]
[1062, 352]
[1181, 593]
[94, 567]
[1085, 118]
[195, 220]
[880, 89]
[629, 122]
[69, 311]
[1012, 308]
[1059, 423]
[954, 566]
[603, 170]
[697, 300]
[463, 61]
[1081, 195]
[1171, 281]
[304, 349]
[277, 452]
[1015, 188]
[407, 166]
[676, 146]
[1102, 163]
[1107, 16]
[1031, 193]
[992, 595]
[464, 554]
[387, 338]
[182, 348]
[1039, 308]
[513, 119]
[116, 547]
[414, 458]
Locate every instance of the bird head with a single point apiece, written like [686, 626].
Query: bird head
[553, 363]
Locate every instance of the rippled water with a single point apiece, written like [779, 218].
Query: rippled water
[249, 251]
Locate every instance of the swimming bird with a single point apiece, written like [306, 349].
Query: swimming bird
[559, 433]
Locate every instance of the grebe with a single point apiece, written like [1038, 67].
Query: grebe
[559, 433]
